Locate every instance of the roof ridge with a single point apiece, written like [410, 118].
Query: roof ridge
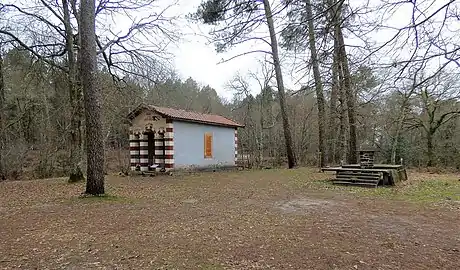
[189, 111]
[188, 115]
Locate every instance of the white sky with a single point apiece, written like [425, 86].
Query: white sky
[193, 58]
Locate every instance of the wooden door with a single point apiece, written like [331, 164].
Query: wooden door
[151, 138]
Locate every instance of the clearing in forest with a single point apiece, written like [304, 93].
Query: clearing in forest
[272, 219]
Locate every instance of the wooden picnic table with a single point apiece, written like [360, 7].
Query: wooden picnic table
[344, 169]
[376, 166]
[387, 174]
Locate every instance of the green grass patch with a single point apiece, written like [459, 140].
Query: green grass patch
[427, 191]
[438, 188]
[433, 191]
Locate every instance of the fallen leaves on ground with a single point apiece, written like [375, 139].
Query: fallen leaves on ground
[273, 219]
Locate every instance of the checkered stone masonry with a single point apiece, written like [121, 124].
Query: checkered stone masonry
[134, 151]
[159, 148]
[144, 152]
[169, 145]
[236, 145]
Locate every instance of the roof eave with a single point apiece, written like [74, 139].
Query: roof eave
[206, 123]
[134, 113]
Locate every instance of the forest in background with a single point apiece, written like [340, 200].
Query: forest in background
[407, 108]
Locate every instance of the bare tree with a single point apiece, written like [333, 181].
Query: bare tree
[75, 97]
[438, 99]
[50, 49]
[264, 106]
[55, 41]
[406, 93]
[425, 34]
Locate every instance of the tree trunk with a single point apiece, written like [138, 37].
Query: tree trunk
[336, 149]
[333, 108]
[2, 119]
[343, 104]
[399, 126]
[318, 83]
[394, 146]
[92, 99]
[341, 143]
[280, 85]
[350, 97]
[76, 155]
[343, 126]
[429, 148]
[261, 141]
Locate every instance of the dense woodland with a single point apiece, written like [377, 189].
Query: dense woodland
[399, 95]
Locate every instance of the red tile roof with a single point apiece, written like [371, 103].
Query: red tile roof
[187, 116]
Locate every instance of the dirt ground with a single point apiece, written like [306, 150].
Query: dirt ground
[272, 219]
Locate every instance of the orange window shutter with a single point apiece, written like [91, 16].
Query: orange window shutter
[208, 145]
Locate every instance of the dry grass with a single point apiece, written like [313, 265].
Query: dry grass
[273, 219]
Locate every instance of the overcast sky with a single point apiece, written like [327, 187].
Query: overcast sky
[194, 57]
